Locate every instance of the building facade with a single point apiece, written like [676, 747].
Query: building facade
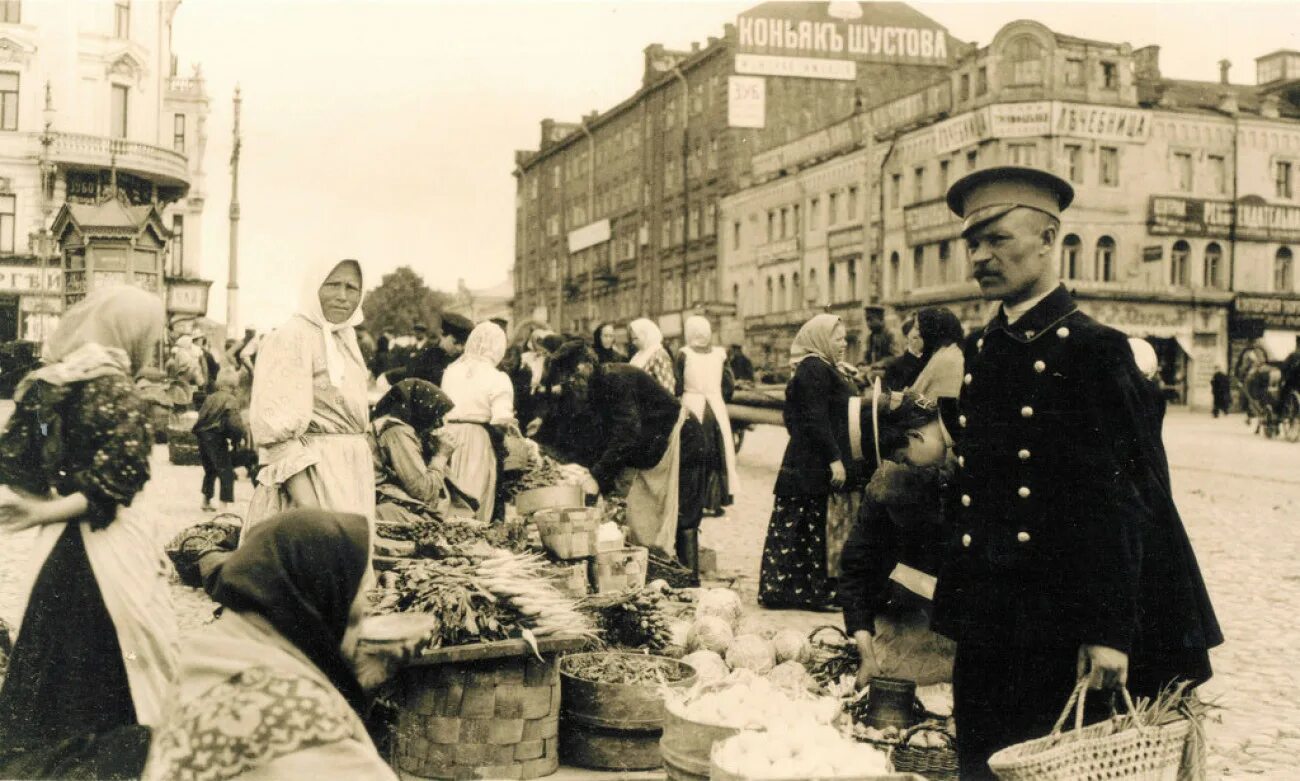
[1184, 226]
[92, 109]
[617, 215]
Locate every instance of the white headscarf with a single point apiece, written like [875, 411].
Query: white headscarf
[699, 333]
[649, 337]
[338, 337]
[486, 345]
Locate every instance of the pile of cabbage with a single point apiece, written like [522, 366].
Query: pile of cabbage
[715, 649]
[800, 750]
[745, 700]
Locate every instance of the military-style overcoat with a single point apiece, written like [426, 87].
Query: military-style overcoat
[1063, 530]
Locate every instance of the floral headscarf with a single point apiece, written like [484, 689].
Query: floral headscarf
[338, 337]
[418, 402]
[814, 339]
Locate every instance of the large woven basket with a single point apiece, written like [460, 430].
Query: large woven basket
[482, 718]
[936, 763]
[568, 534]
[1101, 752]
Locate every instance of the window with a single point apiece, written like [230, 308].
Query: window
[895, 272]
[965, 87]
[670, 112]
[769, 301]
[771, 226]
[1213, 266]
[1283, 177]
[694, 225]
[177, 248]
[832, 283]
[1074, 162]
[853, 203]
[781, 300]
[972, 159]
[119, 116]
[918, 183]
[982, 80]
[945, 253]
[8, 212]
[1218, 173]
[1026, 57]
[1109, 75]
[853, 279]
[797, 227]
[1283, 281]
[735, 235]
[814, 206]
[1178, 265]
[1021, 154]
[796, 292]
[1108, 166]
[1074, 72]
[8, 101]
[896, 186]
[178, 133]
[943, 176]
[1105, 259]
[918, 266]
[122, 19]
[832, 208]
[1070, 257]
[785, 227]
[11, 11]
[1183, 171]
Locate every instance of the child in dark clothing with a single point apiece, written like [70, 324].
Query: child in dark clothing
[219, 431]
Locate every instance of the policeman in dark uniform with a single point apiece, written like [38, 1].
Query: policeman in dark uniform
[1067, 556]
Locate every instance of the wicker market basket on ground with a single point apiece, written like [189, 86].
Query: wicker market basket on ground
[934, 762]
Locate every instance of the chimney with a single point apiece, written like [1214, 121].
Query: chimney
[1269, 105]
[1146, 63]
[547, 126]
[1228, 102]
[1224, 67]
[695, 46]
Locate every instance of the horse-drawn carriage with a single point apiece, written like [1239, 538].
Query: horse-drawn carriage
[1272, 404]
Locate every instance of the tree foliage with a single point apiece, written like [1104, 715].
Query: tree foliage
[402, 300]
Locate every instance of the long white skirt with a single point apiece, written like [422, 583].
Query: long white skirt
[473, 465]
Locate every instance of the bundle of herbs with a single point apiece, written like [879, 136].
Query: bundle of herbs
[632, 619]
[625, 668]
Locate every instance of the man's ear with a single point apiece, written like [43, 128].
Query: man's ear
[1048, 235]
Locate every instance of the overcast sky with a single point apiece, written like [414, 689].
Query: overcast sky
[385, 129]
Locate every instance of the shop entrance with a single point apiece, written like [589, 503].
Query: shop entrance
[8, 318]
[1172, 373]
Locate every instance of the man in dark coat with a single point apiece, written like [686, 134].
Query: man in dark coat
[431, 360]
[1067, 556]
[742, 369]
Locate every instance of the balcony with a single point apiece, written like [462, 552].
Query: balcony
[186, 87]
[160, 166]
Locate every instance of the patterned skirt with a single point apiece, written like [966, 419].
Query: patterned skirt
[793, 573]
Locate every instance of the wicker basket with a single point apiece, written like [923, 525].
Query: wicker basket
[568, 534]
[573, 579]
[1097, 753]
[937, 763]
[622, 569]
[183, 447]
[484, 718]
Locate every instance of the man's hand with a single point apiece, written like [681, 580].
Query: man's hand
[1105, 667]
[863, 640]
[838, 475]
[534, 426]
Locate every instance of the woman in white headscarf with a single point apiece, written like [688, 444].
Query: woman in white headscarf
[309, 412]
[705, 385]
[650, 353]
[484, 413]
[96, 650]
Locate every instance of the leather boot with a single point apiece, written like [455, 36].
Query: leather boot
[688, 552]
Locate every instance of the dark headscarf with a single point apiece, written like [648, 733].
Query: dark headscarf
[418, 402]
[938, 327]
[605, 354]
[301, 571]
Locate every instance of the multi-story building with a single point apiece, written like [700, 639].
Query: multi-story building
[92, 110]
[1185, 221]
[617, 214]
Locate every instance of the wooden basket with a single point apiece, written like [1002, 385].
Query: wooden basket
[934, 763]
[550, 497]
[622, 569]
[486, 711]
[573, 580]
[568, 534]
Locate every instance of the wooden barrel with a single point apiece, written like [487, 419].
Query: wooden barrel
[686, 746]
[612, 726]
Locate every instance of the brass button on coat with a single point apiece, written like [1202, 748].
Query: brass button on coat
[961, 461]
[1026, 412]
[1023, 536]
[966, 380]
[1040, 367]
[965, 500]
[1024, 492]
[1024, 455]
[1063, 332]
[965, 540]
[961, 421]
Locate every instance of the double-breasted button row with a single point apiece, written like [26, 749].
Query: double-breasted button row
[1023, 492]
[1021, 537]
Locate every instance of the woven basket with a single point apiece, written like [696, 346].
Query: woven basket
[495, 718]
[621, 569]
[183, 447]
[1100, 752]
[935, 763]
[568, 534]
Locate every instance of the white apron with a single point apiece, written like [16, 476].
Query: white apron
[652, 501]
[701, 385]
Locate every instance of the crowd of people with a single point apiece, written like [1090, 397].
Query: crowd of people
[1006, 489]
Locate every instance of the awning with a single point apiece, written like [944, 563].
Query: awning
[1186, 344]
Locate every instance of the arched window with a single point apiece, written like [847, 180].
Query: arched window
[1179, 274]
[1283, 277]
[735, 298]
[1025, 54]
[832, 283]
[1213, 266]
[1071, 247]
[783, 303]
[895, 273]
[814, 292]
[853, 280]
[1105, 259]
[796, 292]
[918, 266]
[769, 302]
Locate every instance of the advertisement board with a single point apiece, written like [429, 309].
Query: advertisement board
[863, 32]
[746, 101]
[1256, 220]
[797, 67]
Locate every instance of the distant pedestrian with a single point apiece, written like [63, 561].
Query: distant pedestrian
[1221, 390]
[430, 361]
[705, 385]
[220, 433]
[605, 343]
[650, 354]
[901, 371]
[742, 369]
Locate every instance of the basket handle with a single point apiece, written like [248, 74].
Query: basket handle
[1076, 702]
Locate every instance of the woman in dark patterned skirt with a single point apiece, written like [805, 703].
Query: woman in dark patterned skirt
[818, 463]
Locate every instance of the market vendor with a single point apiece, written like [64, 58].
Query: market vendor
[651, 449]
[892, 555]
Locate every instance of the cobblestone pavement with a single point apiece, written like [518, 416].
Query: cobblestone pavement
[1239, 496]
